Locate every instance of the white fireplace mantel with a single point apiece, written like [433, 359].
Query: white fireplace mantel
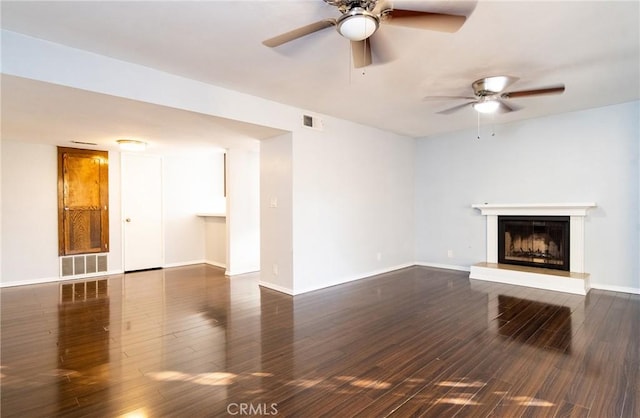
[534, 209]
[576, 213]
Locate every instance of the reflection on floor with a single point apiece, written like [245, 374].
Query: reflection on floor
[83, 339]
[540, 324]
[416, 342]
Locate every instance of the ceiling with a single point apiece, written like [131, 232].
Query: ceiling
[591, 47]
[35, 111]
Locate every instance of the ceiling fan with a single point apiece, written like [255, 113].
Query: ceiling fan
[360, 19]
[490, 97]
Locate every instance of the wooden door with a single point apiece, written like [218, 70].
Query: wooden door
[83, 198]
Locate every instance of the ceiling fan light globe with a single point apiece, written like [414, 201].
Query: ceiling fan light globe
[357, 25]
[487, 106]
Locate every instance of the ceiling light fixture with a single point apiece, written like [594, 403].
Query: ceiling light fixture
[486, 106]
[497, 83]
[357, 24]
[131, 145]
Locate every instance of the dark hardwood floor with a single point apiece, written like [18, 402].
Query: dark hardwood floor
[188, 342]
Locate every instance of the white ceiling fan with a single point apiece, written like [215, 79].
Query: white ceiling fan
[489, 95]
[360, 19]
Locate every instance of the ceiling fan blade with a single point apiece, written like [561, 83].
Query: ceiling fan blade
[425, 20]
[361, 52]
[535, 92]
[455, 108]
[299, 32]
[431, 98]
[381, 6]
[382, 48]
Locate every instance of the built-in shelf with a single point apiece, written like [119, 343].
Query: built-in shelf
[212, 215]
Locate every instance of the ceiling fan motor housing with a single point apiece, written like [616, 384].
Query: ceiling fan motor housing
[480, 89]
[347, 5]
[491, 86]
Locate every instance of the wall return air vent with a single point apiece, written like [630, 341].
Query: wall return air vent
[83, 265]
[312, 122]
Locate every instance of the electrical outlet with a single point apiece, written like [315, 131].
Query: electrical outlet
[379, 256]
[450, 253]
[275, 269]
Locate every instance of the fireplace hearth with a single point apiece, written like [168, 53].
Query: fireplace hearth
[535, 261]
[535, 241]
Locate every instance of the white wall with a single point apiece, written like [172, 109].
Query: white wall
[115, 260]
[243, 212]
[1, 210]
[28, 57]
[353, 186]
[215, 228]
[30, 220]
[575, 157]
[353, 200]
[352, 193]
[192, 183]
[276, 212]
[215, 241]
[30, 213]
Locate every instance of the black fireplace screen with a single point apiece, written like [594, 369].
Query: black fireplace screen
[538, 241]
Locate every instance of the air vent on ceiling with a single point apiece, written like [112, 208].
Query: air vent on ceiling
[83, 143]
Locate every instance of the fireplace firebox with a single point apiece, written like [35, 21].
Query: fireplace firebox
[536, 241]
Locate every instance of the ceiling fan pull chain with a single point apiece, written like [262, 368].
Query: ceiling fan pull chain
[364, 55]
[478, 125]
[493, 125]
[349, 65]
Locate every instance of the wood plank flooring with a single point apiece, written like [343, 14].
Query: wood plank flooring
[416, 342]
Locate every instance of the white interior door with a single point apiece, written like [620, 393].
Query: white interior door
[141, 188]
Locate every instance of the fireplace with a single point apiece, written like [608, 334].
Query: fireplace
[536, 241]
[537, 264]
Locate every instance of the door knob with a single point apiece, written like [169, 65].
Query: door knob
[128, 220]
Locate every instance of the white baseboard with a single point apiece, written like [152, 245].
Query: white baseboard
[239, 272]
[216, 264]
[276, 287]
[354, 278]
[59, 279]
[443, 266]
[599, 286]
[622, 289]
[183, 263]
[31, 281]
